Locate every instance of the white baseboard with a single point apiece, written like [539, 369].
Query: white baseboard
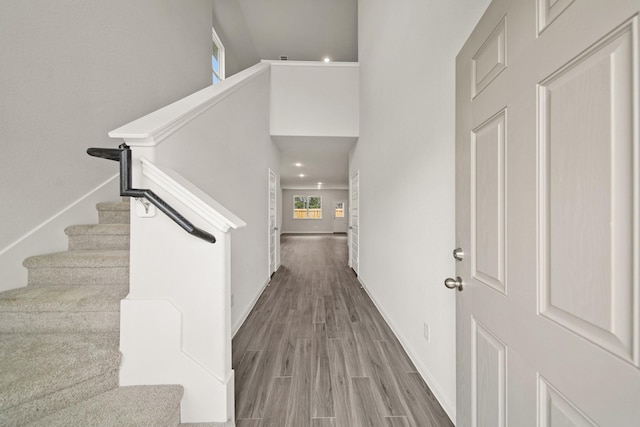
[236, 327]
[49, 235]
[448, 406]
[307, 232]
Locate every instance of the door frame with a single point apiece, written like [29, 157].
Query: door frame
[272, 229]
[344, 214]
[354, 207]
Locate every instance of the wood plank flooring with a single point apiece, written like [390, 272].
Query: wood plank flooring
[315, 352]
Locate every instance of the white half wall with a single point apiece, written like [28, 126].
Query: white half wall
[71, 72]
[314, 98]
[324, 225]
[175, 322]
[227, 152]
[405, 155]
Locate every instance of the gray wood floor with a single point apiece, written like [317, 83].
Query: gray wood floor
[316, 352]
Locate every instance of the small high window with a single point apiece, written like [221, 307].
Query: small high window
[217, 58]
[307, 207]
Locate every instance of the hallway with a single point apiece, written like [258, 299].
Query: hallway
[316, 352]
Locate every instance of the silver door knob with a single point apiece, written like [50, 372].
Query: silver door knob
[453, 283]
[275, 228]
[458, 254]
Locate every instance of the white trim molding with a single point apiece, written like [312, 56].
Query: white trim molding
[152, 129]
[311, 64]
[191, 196]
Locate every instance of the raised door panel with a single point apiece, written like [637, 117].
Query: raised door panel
[556, 410]
[586, 145]
[489, 378]
[549, 11]
[491, 59]
[487, 204]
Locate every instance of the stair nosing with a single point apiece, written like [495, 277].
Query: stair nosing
[80, 258]
[89, 298]
[113, 206]
[157, 403]
[98, 230]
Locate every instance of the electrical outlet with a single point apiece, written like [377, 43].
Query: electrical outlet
[427, 334]
[231, 300]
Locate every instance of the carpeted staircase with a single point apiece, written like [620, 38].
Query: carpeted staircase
[59, 337]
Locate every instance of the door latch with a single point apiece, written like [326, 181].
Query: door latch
[454, 283]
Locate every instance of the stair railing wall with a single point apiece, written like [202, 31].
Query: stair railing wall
[206, 155]
[176, 321]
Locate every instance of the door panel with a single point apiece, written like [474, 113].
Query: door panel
[488, 378]
[490, 59]
[549, 10]
[556, 410]
[586, 125]
[548, 215]
[487, 205]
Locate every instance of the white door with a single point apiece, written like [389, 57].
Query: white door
[354, 215]
[547, 200]
[273, 224]
[340, 219]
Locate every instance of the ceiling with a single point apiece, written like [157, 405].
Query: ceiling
[324, 162]
[303, 30]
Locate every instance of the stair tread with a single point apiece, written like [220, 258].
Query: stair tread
[39, 364]
[63, 298]
[80, 258]
[98, 229]
[149, 405]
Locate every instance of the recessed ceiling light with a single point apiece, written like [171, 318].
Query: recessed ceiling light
[298, 164]
[301, 175]
[319, 183]
[326, 59]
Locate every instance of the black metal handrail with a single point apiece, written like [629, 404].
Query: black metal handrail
[123, 156]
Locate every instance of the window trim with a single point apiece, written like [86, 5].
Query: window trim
[216, 40]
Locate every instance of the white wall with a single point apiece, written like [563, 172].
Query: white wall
[314, 98]
[324, 225]
[405, 155]
[71, 72]
[227, 152]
